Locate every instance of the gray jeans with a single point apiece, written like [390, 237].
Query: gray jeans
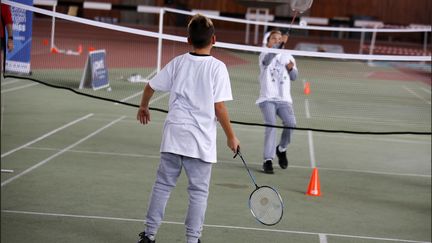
[198, 173]
[271, 109]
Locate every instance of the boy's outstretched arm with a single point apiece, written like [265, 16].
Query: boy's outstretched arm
[143, 114]
[223, 118]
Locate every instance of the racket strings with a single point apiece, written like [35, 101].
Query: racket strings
[266, 205]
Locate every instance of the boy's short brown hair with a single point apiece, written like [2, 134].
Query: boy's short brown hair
[200, 31]
[275, 31]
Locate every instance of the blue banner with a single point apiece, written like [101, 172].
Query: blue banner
[95, 73]
[99, 70]
[18, 61]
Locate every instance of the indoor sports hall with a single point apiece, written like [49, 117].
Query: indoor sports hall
[77, 166]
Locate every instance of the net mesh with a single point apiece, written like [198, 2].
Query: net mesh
[334, 92]
[266, 205]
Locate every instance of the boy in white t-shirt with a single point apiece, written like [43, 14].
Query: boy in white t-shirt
[276, 73]
[198, 85]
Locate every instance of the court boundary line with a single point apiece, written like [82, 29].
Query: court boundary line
[210, 226]
[254, 129]
[310, 138]
[59, 153]
[322, 238]
[374, 120]
[47, 134]
[416, 95]
[234, 163]
[18, 88]
[138, 93]
[10, 82]
[239, 122]
[426, 90]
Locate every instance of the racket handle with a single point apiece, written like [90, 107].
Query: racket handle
[237, 152]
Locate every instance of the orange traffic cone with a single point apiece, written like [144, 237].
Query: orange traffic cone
[306, 88]
[54, 50]
[314, 188]
[45, 42]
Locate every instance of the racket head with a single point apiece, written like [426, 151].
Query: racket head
[300, 5]
[266, 205]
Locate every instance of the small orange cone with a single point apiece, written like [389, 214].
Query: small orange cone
[91, 48]
[45, 42]
[307, 88]
[314, 188]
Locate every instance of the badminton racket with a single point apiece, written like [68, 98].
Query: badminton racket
[265, 202]
[298, 7]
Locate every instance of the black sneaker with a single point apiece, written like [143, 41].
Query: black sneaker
[268, 167]
[145, 239]
[283, 161]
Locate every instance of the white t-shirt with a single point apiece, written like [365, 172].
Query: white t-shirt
[195, 84]
[275, 82]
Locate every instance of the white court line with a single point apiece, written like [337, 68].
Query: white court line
[322, 238]
[60, 152]
[7, 171]
[211, 226]
[300, 132]
[139, 93]
[375, 139]
[17, 88]
[10, 82]
[426, 90]
[415, 94]
[374, 172]
[310, 138]
[47, 134]
[311, 150]
[157, 156]
[308, 116]
[158, 98]
[374, 120]
[340, 136]
[152, 100]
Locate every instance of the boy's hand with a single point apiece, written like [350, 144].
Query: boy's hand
[233, 144]
[143, 115]
[285, 38]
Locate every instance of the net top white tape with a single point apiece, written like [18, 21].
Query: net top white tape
[152, 9]
[321, 28]
[221, 44]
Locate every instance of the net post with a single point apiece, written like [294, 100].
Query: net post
[247, 27]
[372, 45]
[159, 53]
[362, 37]
[53, 26]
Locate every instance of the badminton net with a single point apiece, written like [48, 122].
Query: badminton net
[334, 92]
